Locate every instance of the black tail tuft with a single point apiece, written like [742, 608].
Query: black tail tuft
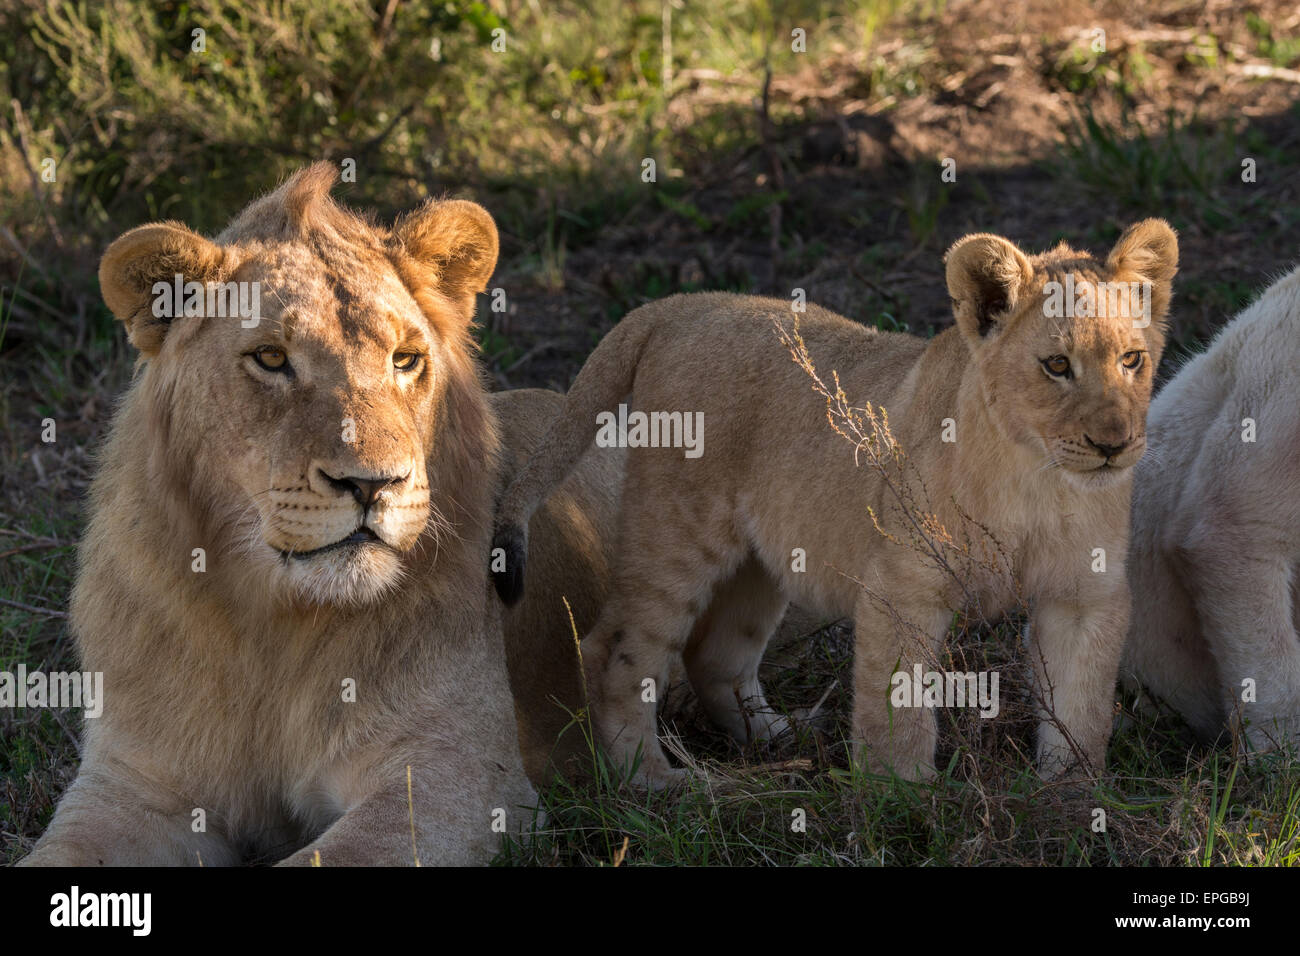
[510, 582]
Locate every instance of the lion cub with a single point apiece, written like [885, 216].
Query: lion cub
[1215, 552]
[1024, 419]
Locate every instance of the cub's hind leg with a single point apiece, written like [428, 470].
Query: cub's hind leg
[724, 652]
[1166, 652]
[670, 557]
[1243, 595]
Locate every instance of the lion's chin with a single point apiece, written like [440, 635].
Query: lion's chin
[354, 575]
[1096, 478]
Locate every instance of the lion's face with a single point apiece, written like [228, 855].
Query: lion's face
[1067, 346]
[332, 402]
[321, 414]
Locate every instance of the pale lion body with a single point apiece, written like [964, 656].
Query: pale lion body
[1215, 557]
[282, 576]
[705, 548]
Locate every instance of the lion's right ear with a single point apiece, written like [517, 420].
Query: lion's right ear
[139, 260]
[1148, 252]
[986, 275]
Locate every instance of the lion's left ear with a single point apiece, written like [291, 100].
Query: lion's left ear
[455, 241]
[1147, 252]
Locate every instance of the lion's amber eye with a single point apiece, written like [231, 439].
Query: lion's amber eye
[271, 359]
[1058, 365]
[1132, 360]
[405, 361]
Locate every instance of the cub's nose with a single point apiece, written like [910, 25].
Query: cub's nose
[1110, 451]
[364, 490]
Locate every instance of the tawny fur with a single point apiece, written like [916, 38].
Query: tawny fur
[1215, 557]
[224, 687]
[704, 566]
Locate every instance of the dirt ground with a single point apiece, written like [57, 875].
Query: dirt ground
[858, 215]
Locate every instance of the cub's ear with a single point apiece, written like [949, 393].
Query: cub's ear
[146, 255]
[986, 275]
[1147, 252]
[454, 242]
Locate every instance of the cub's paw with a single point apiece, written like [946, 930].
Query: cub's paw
[1267, 733]
[660, 779]
[911, 768]
[1066, 771]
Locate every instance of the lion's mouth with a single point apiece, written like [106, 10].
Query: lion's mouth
[1103, 474]
[359, 538]
[1122, 462]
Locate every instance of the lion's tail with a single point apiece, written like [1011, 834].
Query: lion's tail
[604, 381]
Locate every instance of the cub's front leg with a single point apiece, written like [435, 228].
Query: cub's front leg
[895, 732]
[1075, 648]
[116, 816]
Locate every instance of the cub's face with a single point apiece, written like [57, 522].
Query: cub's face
[1077, 386]
[1067, 346]
[303, 433]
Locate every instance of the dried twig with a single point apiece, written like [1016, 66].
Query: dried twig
[531, 354]
[36, 546]
[1263, 72]
[49, 612]
[970, 553]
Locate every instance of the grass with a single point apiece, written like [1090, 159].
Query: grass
[37, 748]
[834, 189]
[1163, 802]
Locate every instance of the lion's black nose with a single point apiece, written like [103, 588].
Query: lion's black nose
[364, 490]
[1110, 451]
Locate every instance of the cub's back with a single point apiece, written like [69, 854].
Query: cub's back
[720, 353]
[768, 451]
[1198, 423]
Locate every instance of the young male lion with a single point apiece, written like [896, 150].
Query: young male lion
[281, 578]
[1019, 421]
[1215, 551]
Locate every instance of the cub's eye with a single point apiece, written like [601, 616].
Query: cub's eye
[271, 359]
[1057, 365]
[406, 361]
[1132, 360]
